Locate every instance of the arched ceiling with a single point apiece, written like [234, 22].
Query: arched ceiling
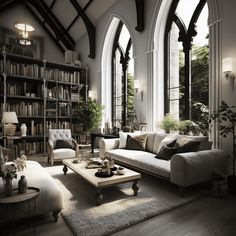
[66, 21]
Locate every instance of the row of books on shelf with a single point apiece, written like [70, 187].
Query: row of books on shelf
[25, 108]
[31, 70]
[59, 92]
[37, 71]
[31, 147]
[63, 76]
[57, 125]
[36, 128]
[21, 89]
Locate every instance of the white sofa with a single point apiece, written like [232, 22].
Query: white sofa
[184, 169]
[50, 198]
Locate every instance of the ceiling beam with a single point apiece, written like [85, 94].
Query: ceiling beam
[78, 15]
[50, 7]
[28, 6]
[6, 4]
[140, 15]
[89, 26]
[52, 24]
[61, 27]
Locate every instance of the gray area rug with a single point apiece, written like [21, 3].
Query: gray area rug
[120, 209]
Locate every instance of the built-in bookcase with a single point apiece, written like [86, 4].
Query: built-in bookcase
[43, 94]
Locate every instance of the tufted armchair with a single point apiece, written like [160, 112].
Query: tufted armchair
[61, 145]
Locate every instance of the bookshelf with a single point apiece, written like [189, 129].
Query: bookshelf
[43, 94]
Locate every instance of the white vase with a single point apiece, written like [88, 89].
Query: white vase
[23, 129]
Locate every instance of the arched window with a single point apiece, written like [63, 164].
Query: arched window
[122, 77]
[186, 59]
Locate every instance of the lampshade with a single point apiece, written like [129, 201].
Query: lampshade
[24, 27]
[227, 64]
[9, 117]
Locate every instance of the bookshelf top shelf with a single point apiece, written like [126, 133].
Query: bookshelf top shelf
[23, 59]
[49, 64]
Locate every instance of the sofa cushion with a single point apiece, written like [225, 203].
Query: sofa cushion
[123, 138]
[166, 141]
[137, 142]
[204, 142]
[158, 139]
[141, 160]
[187, 145]
[166, 152]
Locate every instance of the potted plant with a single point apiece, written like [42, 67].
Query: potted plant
[88, 115]
[184, 126]
[226, 116]
[169, 123]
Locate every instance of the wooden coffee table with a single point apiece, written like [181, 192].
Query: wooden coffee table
[100, 183]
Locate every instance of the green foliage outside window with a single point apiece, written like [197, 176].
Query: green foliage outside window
[199, 87]
[131, 119]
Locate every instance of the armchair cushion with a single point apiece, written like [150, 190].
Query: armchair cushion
[60, 143]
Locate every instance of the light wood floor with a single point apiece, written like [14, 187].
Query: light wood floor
[204, 217]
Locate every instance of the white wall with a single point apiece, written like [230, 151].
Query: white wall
[228, 50]
[126, 11]
[9, 17]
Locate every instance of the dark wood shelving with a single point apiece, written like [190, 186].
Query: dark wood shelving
[62, 81]
[25, 78]
[24, 97]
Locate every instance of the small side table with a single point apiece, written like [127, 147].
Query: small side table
[17, 199]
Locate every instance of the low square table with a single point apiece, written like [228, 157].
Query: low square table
[98, 182]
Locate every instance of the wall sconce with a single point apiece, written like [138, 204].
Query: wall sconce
[91, 95]
[137, 86]
[227, 70]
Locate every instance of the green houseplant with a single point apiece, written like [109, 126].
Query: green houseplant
[226, 117]
[169, 123]
[88, 115]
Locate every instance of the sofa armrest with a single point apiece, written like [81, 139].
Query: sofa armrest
[107, 144]
[194, 167]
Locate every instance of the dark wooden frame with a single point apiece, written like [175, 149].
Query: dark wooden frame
[186, 36]
[124, 60]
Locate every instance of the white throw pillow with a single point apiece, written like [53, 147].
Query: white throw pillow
[168, 139]
[123, 137]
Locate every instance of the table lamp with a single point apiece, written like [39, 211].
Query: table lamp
[8, 118]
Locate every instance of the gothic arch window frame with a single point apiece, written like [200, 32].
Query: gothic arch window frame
[186, 36]
[124, 61]
[104, 81]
